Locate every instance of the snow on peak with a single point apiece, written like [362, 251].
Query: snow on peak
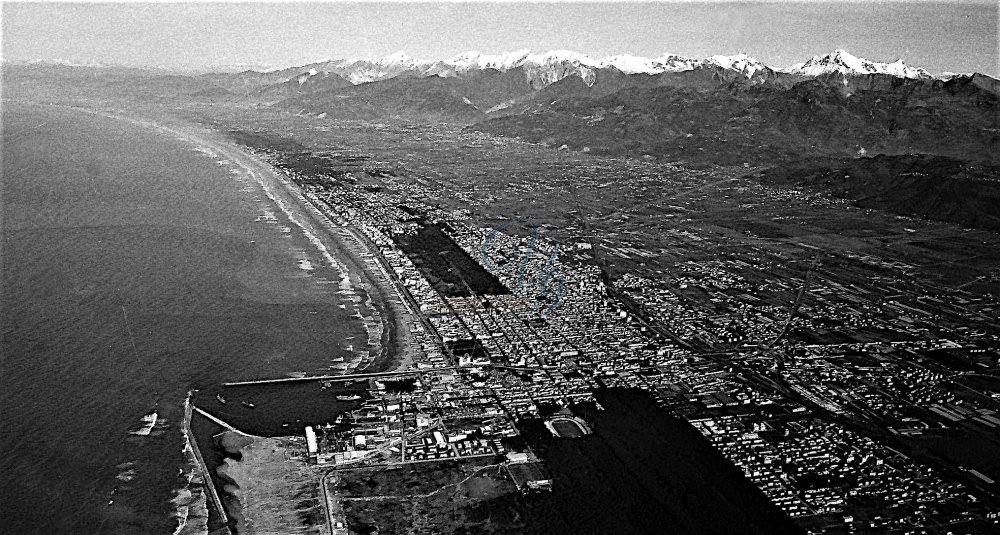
[549, 67]
[639, 65]
[675, 63]
[902, 70]
[560, 56]
[473, 60]
[628, 64]
[948, 75]
[843, 62]
[740, 63]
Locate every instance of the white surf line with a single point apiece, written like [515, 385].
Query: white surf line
[307, 229]
[379, 272]
[269, 190]
[235, 156]
[375, 324]
[183, 503]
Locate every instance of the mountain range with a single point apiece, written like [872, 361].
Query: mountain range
[543, 69]
[721, 109]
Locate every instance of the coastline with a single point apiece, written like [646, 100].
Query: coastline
[386, 314]
[195, 507]
[266, 471]
[269, 475]
[343, 247]
[371, 286]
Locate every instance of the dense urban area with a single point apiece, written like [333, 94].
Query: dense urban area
[854, 389]
[818, 355]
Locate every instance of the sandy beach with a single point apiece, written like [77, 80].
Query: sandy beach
[377, 299]
[272, 474]
[268, 478]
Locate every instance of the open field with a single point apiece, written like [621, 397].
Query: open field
[275, 490]
[445, 497]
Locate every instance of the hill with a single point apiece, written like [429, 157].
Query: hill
[734, 124]
[932, 187]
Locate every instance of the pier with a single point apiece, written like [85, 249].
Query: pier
[351, 377]
[213, 495]
[376, 375]
[216, 420]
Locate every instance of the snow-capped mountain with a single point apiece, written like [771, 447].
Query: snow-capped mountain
[741, 63]
[546, 68]
[550, 67]
[842, 62]
[360, 71]
[540, 69]
[640, 65]
[475, 60]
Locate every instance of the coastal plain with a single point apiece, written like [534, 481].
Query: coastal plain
[720, 322]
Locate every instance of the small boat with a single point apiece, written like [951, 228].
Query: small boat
[352, 397]
[248, 405]
[220, 398]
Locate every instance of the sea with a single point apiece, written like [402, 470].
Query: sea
[138, 265]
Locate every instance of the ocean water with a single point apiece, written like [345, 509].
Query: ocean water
[136, 266]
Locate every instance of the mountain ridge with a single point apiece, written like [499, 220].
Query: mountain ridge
[726, 109]
[545, 68]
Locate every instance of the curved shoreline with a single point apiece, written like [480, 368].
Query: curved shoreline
[370, 288]
[373, 290]
[356, 276]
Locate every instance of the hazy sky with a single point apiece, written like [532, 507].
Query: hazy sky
[956, 36]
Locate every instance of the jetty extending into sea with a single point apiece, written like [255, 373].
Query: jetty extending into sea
[192, 443]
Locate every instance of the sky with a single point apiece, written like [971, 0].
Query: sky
[939, 36]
